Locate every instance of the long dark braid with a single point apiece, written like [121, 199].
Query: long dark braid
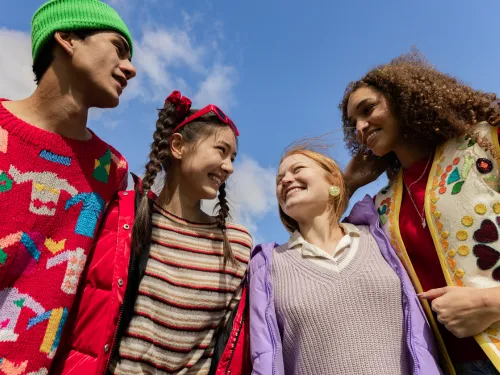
[158, 158]
[222, 216]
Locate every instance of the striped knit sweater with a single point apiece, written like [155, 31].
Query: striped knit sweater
[182, 298]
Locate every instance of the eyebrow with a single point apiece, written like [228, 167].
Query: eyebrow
[360, 104]
[280, 175]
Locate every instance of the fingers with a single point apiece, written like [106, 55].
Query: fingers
[434, 293]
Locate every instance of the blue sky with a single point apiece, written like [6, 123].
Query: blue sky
[279, 68]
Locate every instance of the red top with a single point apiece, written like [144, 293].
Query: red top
[53, 191]
[422, 252]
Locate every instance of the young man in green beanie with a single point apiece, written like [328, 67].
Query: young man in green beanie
[56, 175]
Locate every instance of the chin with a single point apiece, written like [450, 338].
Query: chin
[107, 100]
[209, 193]
[291, 209]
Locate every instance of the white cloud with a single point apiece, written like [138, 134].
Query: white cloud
[218, 88]
[251, 195]
[160, 50]
[16, 76]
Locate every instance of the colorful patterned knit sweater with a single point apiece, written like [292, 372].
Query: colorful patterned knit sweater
[182, 298]
[53, 191]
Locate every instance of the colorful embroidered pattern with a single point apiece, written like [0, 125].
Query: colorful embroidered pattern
[102, 167]
[75, 263]
[487, 233]
[13, 303]
[5, 182]
[92, 207]
[59, 159]
[484, 165]
[3, 259]
[451, 175]
[466, 143]
[384, 210]
[57, 319]
[45, 192]
[120, 162]
[55, 246]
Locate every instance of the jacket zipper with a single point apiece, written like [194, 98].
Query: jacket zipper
[114, 347]
[235, 342]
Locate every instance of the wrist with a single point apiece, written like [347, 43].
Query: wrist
[350, 185]
[491, 300]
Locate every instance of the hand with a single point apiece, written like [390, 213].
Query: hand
[465, 311]
[362, 169]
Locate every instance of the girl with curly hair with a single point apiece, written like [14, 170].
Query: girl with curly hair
[437, 140]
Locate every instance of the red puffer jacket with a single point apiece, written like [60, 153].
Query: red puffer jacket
[89, 335]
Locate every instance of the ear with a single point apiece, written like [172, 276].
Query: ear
[177, 146]
[66, 40]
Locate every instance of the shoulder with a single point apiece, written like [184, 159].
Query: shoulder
[116, 157]
[262, 255]
[240, 234]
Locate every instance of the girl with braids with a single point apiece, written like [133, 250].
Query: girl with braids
[437, 139]
[334, 299]
[164, 292]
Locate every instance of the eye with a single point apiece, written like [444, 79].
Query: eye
[119, 48]
[368, 109]
[221, 149]
[298, 169]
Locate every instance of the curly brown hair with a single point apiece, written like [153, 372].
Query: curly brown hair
[429, 105]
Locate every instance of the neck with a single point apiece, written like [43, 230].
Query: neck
[409, 154]
[180, 204]
[54, 108]
[319, 232]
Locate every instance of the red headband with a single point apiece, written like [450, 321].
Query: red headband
[182, 104]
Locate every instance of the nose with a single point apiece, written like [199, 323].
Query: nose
[287, 179]
[361, 125]
[228, 167]
[128, 69]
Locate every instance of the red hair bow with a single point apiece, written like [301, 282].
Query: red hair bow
[182, 103]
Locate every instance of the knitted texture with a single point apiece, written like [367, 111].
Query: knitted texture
[347, 322]
[67, 15]
[185, 293]
[53, 191]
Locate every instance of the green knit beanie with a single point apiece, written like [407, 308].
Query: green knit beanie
[69, 15]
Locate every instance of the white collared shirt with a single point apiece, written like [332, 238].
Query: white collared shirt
[341, 256]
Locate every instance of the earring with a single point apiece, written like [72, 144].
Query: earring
[334, 191]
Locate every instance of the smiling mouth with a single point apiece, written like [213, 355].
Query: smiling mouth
[121, 81]
[218, 180]
[292, 191]
[372, 135]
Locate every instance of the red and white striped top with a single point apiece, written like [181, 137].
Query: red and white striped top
[183, 296]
